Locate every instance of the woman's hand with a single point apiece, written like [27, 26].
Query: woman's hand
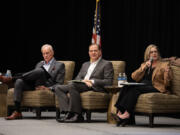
[167, 69]
[146, 65]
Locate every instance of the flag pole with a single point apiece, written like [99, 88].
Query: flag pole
[96, 36]
[96, 15]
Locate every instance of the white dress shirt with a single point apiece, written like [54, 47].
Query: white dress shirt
[91, 69]
[47, 65]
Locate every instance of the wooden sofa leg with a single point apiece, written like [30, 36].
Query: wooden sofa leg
[88, 115]
[38, 113]
[57, 113]
[151, 120]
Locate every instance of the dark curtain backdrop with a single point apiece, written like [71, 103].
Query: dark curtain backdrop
[128, 26]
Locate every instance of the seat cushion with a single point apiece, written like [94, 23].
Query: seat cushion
[158, 103]
[42, 98]
[3, 96]
[69, 70]
[38, 98]
[176, 80]
[94, 100]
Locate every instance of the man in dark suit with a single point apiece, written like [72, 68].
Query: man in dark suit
[46, 75]
[94, 75]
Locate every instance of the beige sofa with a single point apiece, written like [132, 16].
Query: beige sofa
[158, 104]
[3, 95]
[40, 99]
[97, 101]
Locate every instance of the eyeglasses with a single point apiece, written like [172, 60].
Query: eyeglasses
[153, 51]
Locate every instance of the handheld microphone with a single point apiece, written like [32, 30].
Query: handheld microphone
[151, 60]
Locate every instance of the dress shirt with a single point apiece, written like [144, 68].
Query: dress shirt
[47, 65]
[91, 69]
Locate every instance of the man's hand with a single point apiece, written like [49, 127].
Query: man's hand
[88, 83]
[42, 88]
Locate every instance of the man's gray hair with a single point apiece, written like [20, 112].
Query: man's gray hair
[48, 46]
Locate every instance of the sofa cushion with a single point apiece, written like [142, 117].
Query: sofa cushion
[176, 80]
[95, 100]
[41, 98]
[92, 100]
[98, 100]
[36, 98]
[3, 94]
[158, 103]
[69, 70]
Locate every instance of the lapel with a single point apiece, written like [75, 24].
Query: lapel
[86, 68]
[97, 67]
[52, 66]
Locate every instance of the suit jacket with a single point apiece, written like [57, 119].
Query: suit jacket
[102, 74]
[56, 71]
[160, 78]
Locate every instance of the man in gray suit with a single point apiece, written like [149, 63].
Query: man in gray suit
[46, 75]
[94, 75]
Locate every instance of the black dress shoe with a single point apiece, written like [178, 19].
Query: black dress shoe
[66, 116]
[125, 122]
[60, 120]
[76, 118]
[81, 118]
[120, 122]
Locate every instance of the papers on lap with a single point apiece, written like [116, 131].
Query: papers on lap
[132, 83]
[76, 81]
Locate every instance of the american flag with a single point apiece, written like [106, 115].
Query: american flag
[96, 36]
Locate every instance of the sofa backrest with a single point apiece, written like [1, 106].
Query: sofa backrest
[69, 70]
[119, 67]
[176, 80]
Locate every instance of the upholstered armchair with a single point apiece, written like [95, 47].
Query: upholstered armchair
[3, 95]
[40, 99]
[97, 101]
[159, 104]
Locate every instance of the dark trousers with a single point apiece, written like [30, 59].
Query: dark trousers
[71, 103]
[28, 81]
[129, 95]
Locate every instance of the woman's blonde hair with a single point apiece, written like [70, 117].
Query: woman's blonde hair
[147, 52]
